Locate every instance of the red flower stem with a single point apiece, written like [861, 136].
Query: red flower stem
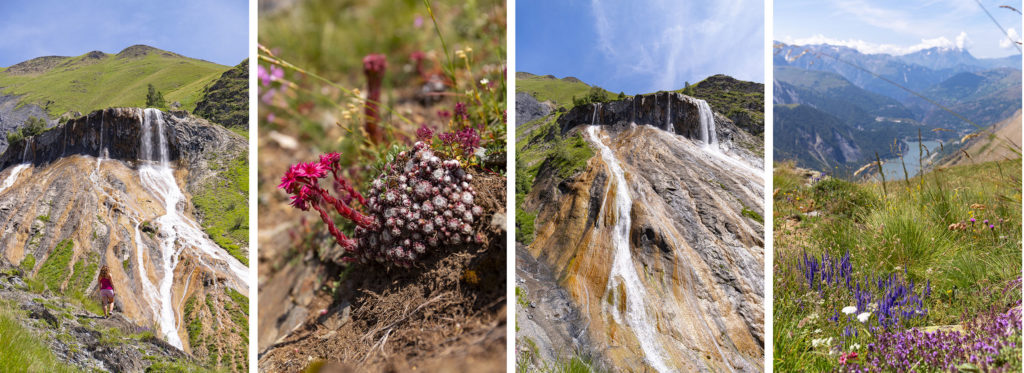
[347, 212]
[346, 243]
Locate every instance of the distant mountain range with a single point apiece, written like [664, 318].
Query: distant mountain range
[836, 106]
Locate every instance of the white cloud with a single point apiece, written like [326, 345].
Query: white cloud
[665, 43]
[1006, 42]
[961, 41]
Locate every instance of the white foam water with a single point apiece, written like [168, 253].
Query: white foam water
[707, 124]
[10, 179]
[668, 116]
[177, 231]
[623, 270]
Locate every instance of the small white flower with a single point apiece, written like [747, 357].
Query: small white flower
[855, 347]
[484, 81]
[812, 316]
[863, 318]
[821, 342]
[849, 310]
[816, 331]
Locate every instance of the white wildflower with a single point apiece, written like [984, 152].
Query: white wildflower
[849, 310]
[863, 317]
[821, 342]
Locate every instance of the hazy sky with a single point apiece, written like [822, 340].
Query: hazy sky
[641, 46]
[899, 27]
[212, 30]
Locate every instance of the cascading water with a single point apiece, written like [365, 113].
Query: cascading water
[707, 124]
[177, 232]
[623, 270]
[668, 116]
[10, 179]
[13, 176]
[593, 117]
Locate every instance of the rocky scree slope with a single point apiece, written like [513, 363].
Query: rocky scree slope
[657, 240]
[82, 339]
[114, 188]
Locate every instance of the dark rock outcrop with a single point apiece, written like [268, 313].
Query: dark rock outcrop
[528, 108]
[118, 133]
[652, 109]
[14, 114]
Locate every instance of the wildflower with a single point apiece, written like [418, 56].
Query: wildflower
[444, 114]
[374, 66]
[991, 226]
[424, 133]
[844, 358]
[863, 317]
[311, 170]
[418, 21]
[266, 77]
[821, 342]
[484, 81]
[460, 111]
[972, 220]
[849, 310]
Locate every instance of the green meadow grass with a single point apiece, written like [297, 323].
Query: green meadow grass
[224, 207]
[901, 228]
[560, 91]
[21, 349]
[112, 82]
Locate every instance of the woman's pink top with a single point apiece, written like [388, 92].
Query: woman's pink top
[105, 284]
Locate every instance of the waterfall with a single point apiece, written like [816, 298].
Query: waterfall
[668, 116]
[10, 179]
[707, 124]
[13, 176]
[100, 151]
[593, 117]
[24, 152]
[177, 231]
[623, 270]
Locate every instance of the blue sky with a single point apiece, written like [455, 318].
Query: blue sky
[899, 27]
[641, 46]
[213, 30]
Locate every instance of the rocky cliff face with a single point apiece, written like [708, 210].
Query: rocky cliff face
[14, 114]
[113, 188]
[670, 111]
[658, 241]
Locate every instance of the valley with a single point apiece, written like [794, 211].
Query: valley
[836, 107]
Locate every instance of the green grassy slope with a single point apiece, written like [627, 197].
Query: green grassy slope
[226, 101]
[559, 91]
[741, 101]
[956, 229]
[96, 80]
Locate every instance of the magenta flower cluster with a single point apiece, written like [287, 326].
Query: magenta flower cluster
[462, 142]
[304, 182]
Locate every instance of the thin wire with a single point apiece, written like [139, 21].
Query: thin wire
[1014, 42]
